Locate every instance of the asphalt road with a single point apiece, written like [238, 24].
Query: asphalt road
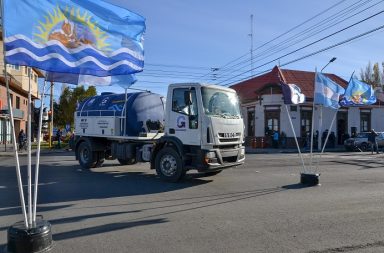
[259, 207]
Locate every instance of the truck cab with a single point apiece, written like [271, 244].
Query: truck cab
[204, 125]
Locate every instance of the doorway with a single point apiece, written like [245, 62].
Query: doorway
[342, 127]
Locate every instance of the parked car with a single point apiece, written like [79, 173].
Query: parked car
[54, 138]
[360, 142]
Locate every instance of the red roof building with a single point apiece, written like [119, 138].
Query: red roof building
[265, 113]
[250, 90]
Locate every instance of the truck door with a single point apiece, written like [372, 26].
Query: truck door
[184, 117]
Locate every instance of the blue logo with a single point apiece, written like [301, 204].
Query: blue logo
[180, 122]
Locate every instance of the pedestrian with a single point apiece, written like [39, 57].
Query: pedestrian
[276, 139]
[283, 138]
[372, 141]
[22, 138]
[58, 137]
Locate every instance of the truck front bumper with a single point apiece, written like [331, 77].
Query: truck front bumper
[218, 159]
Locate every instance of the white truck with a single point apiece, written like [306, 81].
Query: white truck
[198, 126]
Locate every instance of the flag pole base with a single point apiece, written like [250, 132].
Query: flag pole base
[309, 179]
[32, 240]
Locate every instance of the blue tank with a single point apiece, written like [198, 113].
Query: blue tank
[144, 110]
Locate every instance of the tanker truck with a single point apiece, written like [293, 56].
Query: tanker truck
[197, 126]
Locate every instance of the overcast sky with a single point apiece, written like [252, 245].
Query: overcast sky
[185, 39]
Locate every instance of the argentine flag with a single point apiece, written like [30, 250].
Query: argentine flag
[327, 92]
[86, 37]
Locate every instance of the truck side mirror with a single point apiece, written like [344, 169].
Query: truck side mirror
[188, 97]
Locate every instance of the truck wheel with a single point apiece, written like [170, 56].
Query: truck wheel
[168, 165]
[127, 161]
[87, 158]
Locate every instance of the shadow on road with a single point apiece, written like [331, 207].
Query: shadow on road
[105, 228]
[64, 183]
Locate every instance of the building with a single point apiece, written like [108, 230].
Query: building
[264, 111]
[19, 86]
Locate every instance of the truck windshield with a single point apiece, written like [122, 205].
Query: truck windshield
[220, 103]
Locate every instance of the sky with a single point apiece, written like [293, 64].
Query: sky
[199, 41]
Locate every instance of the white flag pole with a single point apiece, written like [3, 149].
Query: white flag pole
[29, 136]
[294, 134]
[13, 134]
[325, 141]
[38, 152]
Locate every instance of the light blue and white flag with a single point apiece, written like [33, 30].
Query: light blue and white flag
[358, 93]
[87, 37]
[124, 81]
[327, 92]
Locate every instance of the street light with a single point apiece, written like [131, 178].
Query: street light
[331, 60]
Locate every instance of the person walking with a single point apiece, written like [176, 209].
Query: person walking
[22, 138]
[58, 137]
[372, 141]
[276, 139]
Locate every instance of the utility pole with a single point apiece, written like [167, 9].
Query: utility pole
[251, 35]
[51, 121]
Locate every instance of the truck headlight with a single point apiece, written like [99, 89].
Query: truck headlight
[242, 153]
[210, 155]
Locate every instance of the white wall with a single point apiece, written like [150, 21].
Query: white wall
[377, 117]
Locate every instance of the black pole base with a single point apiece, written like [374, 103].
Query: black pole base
[309, 179]
[32, 240]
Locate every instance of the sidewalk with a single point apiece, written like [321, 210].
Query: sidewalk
[7, 150]
[250, 150]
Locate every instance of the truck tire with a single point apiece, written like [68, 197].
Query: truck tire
[127, 161]
[87, 158]
[169, 165]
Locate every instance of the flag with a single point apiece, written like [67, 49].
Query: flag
[292, 94]
[124, 81]
[88, 37]
[358, 93]
[327, 92]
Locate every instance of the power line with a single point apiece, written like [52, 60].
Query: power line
[279, 36]
[294, 42]
[312, 28]
[310, 44]
[321, 50]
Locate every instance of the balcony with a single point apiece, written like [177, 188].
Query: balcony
[17, 113]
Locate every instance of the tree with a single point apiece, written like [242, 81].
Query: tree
[371, 75]
[68, 102]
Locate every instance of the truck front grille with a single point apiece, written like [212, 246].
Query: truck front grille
[229, 137]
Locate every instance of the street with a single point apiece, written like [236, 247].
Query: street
[258, 207]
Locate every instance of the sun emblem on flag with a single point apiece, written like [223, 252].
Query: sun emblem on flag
[71, 28]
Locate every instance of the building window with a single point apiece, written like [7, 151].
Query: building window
[17, 102]
[15, 67]
[36, 78]
[11, 100]
[26, 70]
[365, 121]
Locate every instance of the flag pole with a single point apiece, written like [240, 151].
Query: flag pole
[294, 135]
[38, 152]
[29, 135]
[325, 141]
[13, 134]
[312, 129]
